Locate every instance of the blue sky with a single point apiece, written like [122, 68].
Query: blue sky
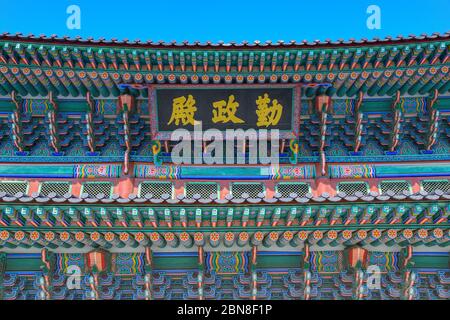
[233, 20]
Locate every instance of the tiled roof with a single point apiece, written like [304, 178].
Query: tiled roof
[223, 45]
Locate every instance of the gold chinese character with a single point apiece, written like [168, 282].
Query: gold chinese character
[268, 115]
[183, 110]
[226, 111]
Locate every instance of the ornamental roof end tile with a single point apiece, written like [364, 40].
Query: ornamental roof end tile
[335, 199]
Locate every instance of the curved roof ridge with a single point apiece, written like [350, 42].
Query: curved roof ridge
[55, 39]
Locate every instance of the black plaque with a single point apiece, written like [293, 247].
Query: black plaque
[246, 112]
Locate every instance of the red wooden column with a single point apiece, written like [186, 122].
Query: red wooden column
[76, 188]
[33, 186]
[125, 187]
[179, 187]
[224, 189]
[324, 184]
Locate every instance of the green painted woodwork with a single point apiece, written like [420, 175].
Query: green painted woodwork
[376, 106]
[178, 262]
[187, 172]
[413, 170]
[368, 106]
[75, 106]
[202, 172]
[388, 171]
[72, 106]
[267, 260]
[442, 104]
[2, 265]
[434, 262]
[279, 261]
[23, 264]
[6, 105]
[57, 171]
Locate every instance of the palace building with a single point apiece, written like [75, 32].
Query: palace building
[93, 207]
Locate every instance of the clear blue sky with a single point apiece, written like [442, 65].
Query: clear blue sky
[233, 20]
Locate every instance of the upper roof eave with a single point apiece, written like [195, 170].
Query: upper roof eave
[125, 43]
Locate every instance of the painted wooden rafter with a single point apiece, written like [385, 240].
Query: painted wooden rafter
[286, 61]
[122, 55]
[3, 57]
[91, 56]
[148, 60]
[274, 61]
[136, 60]
[408, 275]
[262, 61]
[323, 105]
[52, 123]
[94, 286]
[357, 56]
[396, 123]
[253, 274]
[239, 61]
[78, 57]
[20, 49]
[111, 54]
[344, 57]
[433, 125]
[358, 121]
[216, 62]
[306, 273]
[148, 273]
[298, 61]
[201, 268]
[67, 56]
[9, 50]
[251, 61]
[334, 56]
[369, 56]
[17, 123]
[56, 56]
[309, 61]
[227, 62]
[126, 105]
[33, 81]
[321, 59]
[44, 281]
[403, 55]
[434, 57]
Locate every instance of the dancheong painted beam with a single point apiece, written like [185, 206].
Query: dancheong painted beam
[88, 184]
